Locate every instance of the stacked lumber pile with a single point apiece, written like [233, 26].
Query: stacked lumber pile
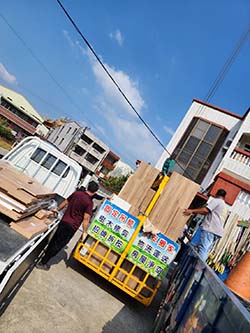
[167, 214]
[21, 197]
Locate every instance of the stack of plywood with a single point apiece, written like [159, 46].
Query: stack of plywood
[137, 190]
[21, 196]
[167, 214]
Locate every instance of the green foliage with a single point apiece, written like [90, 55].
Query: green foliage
[115, 184]
[6, 134]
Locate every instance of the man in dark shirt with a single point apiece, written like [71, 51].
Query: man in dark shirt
[79, 210]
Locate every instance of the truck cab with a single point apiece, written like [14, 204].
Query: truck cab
[42, 161]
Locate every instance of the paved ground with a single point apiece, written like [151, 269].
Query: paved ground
[74, 299]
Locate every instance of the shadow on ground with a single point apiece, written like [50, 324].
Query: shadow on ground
[143, 317]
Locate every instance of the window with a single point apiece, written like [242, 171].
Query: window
[75, 130]
[91, 159]
[79, 150]
[86, 139]
[61, 141]
[98, 148]
[197, 148]
[69, 129]
[59, 167]
[111, 159]
[48, 161]
[38, 155]
[247, 147]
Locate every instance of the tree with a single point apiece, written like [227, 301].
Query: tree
[115, 184]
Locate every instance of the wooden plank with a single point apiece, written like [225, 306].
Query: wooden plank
[29, 227]
[10, 202]
[24, 182]
[138, 185]
[176, 226]
[146, 200]
[179, 192]
[10, 213]
[18, 194]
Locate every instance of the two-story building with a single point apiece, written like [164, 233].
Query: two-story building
[212, 147]
[19, 114]
[108, 164]
[80, 144]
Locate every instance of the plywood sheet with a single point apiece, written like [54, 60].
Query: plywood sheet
[176, 227]
[29, 227]
[10, 187]
[10, 213]
[179, 192]
[137, 186]
[23, 182]
[146, 200]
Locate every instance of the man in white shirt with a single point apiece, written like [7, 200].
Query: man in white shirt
[213, 224]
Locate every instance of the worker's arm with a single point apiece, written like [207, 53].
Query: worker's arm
[63, 204]
[85, 225]
[202, 211]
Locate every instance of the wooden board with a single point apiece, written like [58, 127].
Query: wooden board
[176, 226]
[146, 200]
[24, 182]
[10, 187]
[29, 227]
[179, 192]
[10, 213]
[138, 185]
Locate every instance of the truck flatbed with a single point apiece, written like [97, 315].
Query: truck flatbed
[10, 241]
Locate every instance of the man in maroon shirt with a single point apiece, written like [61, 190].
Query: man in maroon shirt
[78, 211]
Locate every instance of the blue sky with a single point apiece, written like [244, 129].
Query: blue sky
[162, 53]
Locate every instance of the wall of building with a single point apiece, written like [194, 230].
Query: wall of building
[212, 114]
[87, 153]
[62, 136]
[243, 129]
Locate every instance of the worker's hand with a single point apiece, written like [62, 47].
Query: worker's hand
[54, 212]
[83, 236]
[187, 212]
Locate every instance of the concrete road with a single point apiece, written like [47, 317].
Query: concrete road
[71, 299]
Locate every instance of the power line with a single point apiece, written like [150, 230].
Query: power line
[109, 75]
[44, 67]
[227, 65]
[211, 92]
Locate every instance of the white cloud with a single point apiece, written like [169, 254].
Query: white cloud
[169, 130]
[133, 139]
[125, 134]
[68, 38]
[6, 76]
[129, 87]
[117, 36]
[99, 129]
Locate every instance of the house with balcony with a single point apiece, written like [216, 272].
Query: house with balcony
[19, 114]
[211, 146]
[108, 164]
[80, 144]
